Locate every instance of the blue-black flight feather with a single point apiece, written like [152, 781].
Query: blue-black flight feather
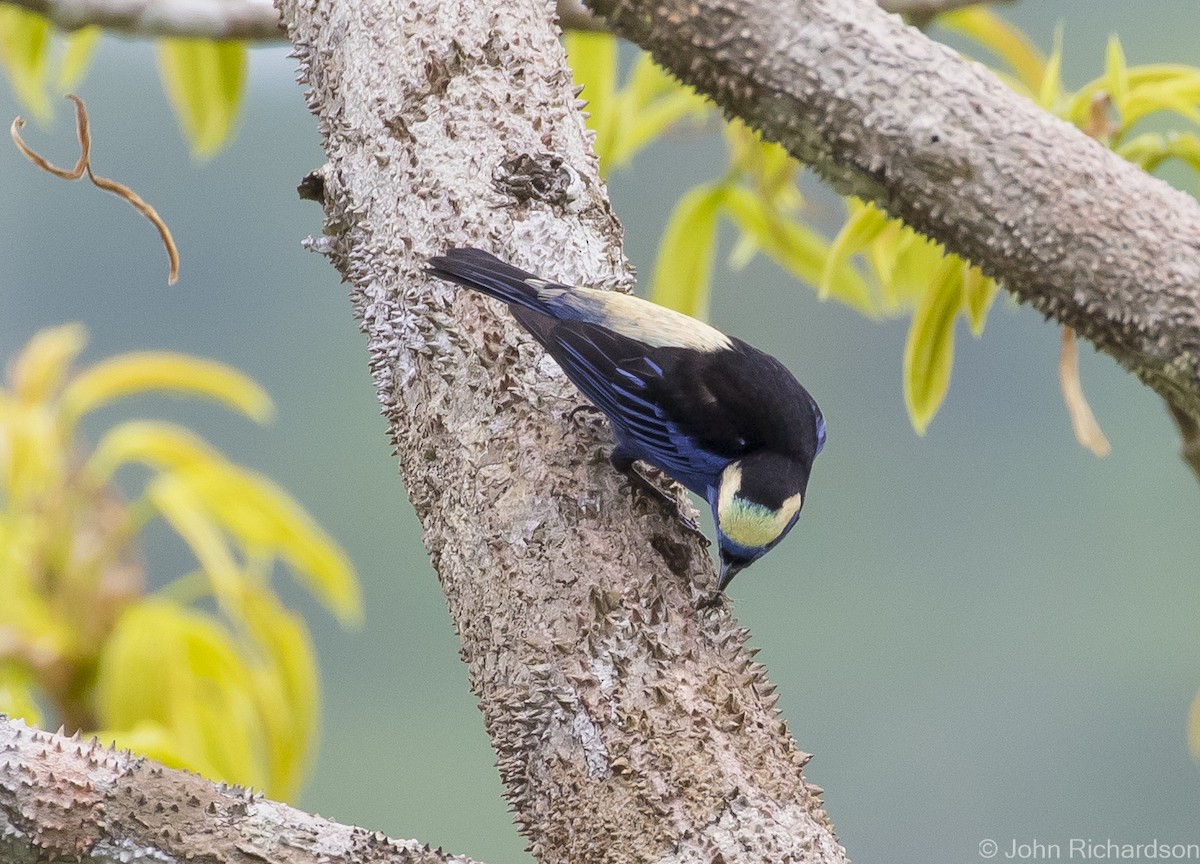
[726, 420]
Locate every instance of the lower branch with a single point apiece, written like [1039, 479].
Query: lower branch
[65, 799]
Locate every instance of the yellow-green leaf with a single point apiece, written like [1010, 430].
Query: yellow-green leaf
[175, 668]
[204, 82]
[43, 363]
[865, 224]
[1150, 149]
[17, 699]
[1002, 39]
[286, 686]
[978, 293]
[917, 257]
[187, 513]
[593, 58]
[646, 123]
[795, 247]
[24, 50]
[159, 445]
[155, 741]
[77, 54]
[649, 82]
[1049, 90]
[266, 520]
[683, 269]
[929, 349]
[1116, 73]
[163, 371]
[1180, 96]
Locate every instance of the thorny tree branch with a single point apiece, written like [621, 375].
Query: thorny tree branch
[64, 799]
[889, 115]
[258, 20]
[574, 15]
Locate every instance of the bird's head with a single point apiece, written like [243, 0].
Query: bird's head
[755, 505]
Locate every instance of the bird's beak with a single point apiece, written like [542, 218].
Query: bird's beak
[729, 569]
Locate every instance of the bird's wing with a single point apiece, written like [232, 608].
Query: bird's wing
[620, 377]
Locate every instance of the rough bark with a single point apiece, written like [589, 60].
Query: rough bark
[258, 20]
[889, 115]
[630, 721]
[63, 799]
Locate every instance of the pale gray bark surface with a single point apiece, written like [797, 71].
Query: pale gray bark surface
[630, 723]
[63, 799]
[257, 20]
[889, 115]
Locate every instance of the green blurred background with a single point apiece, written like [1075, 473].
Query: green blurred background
[982, 633]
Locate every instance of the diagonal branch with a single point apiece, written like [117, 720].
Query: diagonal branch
[629, 718]
[889, 115]
[258, 20]
[63, 798]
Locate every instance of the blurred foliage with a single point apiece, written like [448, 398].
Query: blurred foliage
[205, 81]
[30, 53]
[874, 264]
[212, 673]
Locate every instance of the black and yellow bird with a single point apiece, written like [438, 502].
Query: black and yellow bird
[726, 420]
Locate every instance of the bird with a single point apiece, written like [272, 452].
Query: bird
[726, 420]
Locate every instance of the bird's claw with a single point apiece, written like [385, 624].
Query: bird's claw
[642, 486]
[712, 600]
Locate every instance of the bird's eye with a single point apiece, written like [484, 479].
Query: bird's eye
[820, 432]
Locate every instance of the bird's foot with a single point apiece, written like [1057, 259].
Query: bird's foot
[643, 487]
[714, 599]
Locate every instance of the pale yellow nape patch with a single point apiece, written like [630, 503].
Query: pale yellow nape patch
[639, 319]
[745, 522]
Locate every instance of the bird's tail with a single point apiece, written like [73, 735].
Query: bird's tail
[477, 269]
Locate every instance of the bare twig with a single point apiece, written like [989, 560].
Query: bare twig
[84, 163]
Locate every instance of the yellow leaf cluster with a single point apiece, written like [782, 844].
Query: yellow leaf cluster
[875, 265]
[625, 118]
[231, 693]
[758, 194]
[911, 273]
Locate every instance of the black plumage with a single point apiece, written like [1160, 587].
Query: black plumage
[726, 420]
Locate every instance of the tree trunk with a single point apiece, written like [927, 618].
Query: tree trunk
[630, 720]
